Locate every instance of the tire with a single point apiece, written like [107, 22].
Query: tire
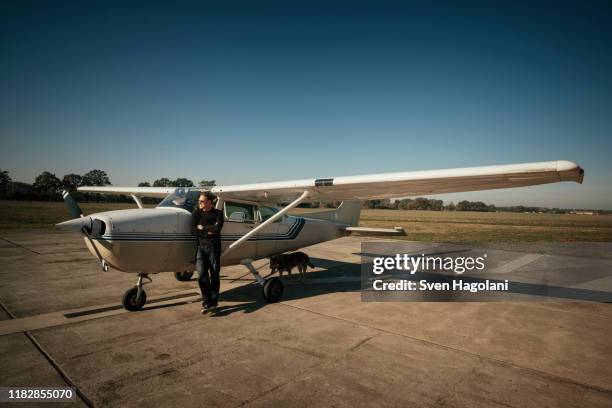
[273, 290]
[129, 300]
[183, 276]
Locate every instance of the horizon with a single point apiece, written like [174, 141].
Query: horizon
[446, 198]
[273, 91]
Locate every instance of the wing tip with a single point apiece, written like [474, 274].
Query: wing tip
[570, 171]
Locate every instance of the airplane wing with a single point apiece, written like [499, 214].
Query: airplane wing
[380, 186]
[408, 184]
[159, 192]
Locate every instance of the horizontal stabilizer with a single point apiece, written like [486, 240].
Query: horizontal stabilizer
[376, 231]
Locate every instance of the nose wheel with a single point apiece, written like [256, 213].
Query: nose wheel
[135, 298]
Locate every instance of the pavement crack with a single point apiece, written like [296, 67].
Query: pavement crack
[308, 370]
[497, 361]
[52, 361]
[281, 345]
[20, 246]
[362, 342]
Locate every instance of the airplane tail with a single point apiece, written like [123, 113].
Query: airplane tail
[347, 213]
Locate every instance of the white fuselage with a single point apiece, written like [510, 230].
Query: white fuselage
[155, 240]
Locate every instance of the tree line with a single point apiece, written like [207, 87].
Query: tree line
[179, 182]
[47, 186]
[422, 203]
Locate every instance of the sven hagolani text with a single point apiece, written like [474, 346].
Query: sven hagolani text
[404, 263]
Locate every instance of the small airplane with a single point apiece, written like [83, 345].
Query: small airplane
[147, 241]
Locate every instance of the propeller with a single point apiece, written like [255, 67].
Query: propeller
[79, 222]
[73, 208]
[82, 224]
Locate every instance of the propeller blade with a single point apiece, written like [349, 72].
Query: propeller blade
[73, 208]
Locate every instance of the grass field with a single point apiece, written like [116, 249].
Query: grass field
[434, 226]
[40, 214]
[451, 226]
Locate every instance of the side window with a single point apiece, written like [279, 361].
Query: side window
[267, 212]
[239, 212]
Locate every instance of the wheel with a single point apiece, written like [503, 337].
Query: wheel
[130, 302]
[183, 276]
[273, 290]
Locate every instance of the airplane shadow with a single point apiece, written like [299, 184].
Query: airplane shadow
[338, 276]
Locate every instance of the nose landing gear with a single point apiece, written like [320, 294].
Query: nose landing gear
[135, 298]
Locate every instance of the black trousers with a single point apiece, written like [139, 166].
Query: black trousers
[208, 264]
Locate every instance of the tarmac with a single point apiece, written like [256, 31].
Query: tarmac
[61, 324]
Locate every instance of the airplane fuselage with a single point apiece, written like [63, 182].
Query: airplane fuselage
[155, 240]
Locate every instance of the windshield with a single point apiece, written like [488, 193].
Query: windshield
[181, 198]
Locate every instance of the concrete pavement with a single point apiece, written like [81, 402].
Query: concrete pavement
[321, 345]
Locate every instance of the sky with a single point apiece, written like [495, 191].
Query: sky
[243, 92]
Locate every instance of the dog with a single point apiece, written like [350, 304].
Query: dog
[286, 262]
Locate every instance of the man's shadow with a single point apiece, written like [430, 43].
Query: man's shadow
[249, 298]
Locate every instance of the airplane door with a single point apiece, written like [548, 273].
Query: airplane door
[267, 239]
[286, 229]
[240, 218]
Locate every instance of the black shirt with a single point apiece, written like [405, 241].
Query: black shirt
[212, 221]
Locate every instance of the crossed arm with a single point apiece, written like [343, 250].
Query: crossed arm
[204, 230]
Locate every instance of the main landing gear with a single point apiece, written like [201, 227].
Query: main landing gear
[135, 298]
[183, 276]
[272, 288]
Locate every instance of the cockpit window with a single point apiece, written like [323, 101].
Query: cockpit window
[181, 198]
[267, 212]
[239, 212]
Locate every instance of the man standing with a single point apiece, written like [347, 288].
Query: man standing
[207, 222]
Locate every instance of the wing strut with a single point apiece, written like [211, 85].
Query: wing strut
[270, 220]
[137, 199]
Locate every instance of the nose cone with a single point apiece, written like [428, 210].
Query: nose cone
[75, 225]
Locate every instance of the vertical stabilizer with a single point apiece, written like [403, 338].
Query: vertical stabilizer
[347, 213]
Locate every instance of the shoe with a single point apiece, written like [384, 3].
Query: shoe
[207, 307]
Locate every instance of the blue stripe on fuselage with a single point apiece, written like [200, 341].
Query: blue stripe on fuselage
[292, 233]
